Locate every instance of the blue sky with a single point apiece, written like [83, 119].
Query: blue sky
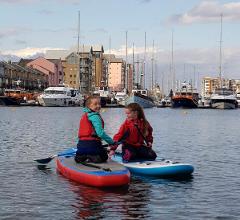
[31, 26]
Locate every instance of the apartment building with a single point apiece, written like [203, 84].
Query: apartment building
[13, 75]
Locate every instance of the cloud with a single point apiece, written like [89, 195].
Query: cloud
[206, 60]
[208, 11]
[29, 51]
[9, 32]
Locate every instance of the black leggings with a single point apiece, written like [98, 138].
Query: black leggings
[91, 151]
[131, 153]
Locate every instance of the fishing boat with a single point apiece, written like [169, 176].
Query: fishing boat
[60, 96]
[185, 97]
[159, 168]
[17, 97]
[141, 97]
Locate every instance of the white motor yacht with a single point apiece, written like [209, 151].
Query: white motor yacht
[60, 96]
[238, 99]
[223, 98]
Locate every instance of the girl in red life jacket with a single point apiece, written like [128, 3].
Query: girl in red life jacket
[91, 132]
[136, 125]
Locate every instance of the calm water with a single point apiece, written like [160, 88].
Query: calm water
[208, 139]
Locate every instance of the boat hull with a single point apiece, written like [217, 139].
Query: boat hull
[144, 102]
[224, 105]
[91, 176]
[164, 168]
[184, 103]
[6, 100]
[57, 102]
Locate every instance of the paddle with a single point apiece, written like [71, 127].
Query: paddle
[72, 151]
[69, 152]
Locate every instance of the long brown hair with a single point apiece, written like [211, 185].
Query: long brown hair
[141, 116]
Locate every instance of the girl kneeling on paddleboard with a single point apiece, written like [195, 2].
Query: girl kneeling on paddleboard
[139, 130]
[91, 132]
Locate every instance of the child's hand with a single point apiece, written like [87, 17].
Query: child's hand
[149, 144]
[113, 146]
[111, 153]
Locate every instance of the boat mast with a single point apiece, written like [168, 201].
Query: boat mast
[109, 61]
[78, 55]
[126, 68]
[172, 68]
[133, 70]
[144, 60]
[152, 66]
[220, 54]
[78, 41]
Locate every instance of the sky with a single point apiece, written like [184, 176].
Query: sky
[189, 29]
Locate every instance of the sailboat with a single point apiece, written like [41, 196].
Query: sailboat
[140, 95]
[223, 97]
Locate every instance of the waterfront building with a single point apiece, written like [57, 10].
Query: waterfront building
[97, 65]
[87, 80]
[115, 73]
[209, 84]
[13, 75]
[52, 67]
[234, 84]
[71, 70]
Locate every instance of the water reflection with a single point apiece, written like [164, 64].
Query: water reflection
[123, 202]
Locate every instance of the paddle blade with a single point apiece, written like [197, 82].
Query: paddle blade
[45, 160]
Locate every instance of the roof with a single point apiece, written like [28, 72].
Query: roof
[24, 62]
[56, 54]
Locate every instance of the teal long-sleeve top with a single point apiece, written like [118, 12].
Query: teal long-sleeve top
[95, 119]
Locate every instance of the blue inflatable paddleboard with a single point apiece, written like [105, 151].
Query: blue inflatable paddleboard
[162, 168]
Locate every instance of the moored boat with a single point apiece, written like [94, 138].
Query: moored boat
[60, 96]
[141, 97]
[104, 94]
[108, 174]
[223, 98]
[238, 99]
[185, 97]
[17, 97]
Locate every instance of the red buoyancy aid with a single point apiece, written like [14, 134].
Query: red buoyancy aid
[86, 130]
[134, 138]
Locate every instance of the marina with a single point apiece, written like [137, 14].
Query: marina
[38, 132]
[119, 110]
